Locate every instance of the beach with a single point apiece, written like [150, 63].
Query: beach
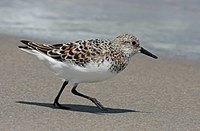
[149, 94]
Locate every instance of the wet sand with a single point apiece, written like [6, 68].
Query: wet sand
[150, 94]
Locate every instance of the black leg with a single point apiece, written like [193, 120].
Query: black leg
[94, 100]
[56, 103]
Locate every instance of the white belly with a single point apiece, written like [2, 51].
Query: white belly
[91, 73]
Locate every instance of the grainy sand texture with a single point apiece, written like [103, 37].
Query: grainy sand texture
[150, 94]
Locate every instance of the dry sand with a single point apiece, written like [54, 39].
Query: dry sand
[150, 94]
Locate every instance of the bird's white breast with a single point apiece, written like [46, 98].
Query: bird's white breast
[91, 73]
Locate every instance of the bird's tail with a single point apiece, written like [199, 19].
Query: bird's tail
[30, 46]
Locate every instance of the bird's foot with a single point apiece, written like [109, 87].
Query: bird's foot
[98, 104]
[58, 105]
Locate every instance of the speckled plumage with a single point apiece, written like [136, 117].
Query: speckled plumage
[83, 52]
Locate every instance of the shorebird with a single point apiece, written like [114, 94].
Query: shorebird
[86, 61]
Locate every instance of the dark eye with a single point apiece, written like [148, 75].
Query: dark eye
[133, 42]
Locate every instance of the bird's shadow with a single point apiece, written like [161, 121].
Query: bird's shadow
[81, 108]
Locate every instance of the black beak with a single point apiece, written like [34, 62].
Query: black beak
[142, 50]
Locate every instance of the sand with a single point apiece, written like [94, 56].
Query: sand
[150, 94]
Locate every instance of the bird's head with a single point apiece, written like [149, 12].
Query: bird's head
[130, 45]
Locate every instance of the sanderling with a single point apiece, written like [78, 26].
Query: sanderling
[86, 60]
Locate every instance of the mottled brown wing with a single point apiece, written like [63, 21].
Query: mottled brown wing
[79, 52]
[56, 51]
[60, 52]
